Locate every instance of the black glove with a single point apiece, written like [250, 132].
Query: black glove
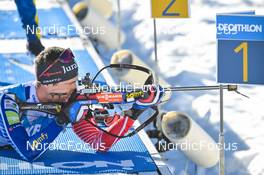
[63, 117]
[35, 47]
[133, 113]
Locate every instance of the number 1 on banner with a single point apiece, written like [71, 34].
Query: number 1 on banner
[244, 46]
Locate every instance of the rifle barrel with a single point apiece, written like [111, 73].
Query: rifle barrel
[201, 88]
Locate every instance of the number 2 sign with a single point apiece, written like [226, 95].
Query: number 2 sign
[170, 8]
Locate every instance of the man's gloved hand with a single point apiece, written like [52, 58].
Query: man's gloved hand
[62, 118]
[69, 110]
[75, 111]
[152, 96]
[35, 46]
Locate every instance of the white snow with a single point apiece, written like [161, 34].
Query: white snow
[187, 56]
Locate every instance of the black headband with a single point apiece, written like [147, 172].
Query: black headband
[57, 72]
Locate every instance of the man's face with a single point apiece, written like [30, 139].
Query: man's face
[61, 92]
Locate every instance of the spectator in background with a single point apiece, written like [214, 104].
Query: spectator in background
[28, 14]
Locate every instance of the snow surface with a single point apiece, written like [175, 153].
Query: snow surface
[187, 57]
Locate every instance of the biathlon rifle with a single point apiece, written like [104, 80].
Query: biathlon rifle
[91, 92]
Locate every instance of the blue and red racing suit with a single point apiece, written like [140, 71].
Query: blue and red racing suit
[29, 132]
[119, 125]
[26, 131]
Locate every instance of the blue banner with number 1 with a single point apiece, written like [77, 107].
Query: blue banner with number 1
[240, 48]
[240, 62]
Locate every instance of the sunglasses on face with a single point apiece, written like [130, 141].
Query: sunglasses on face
[65, 57]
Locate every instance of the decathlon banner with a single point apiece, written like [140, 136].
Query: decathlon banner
[240, 43]
[240, 27]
